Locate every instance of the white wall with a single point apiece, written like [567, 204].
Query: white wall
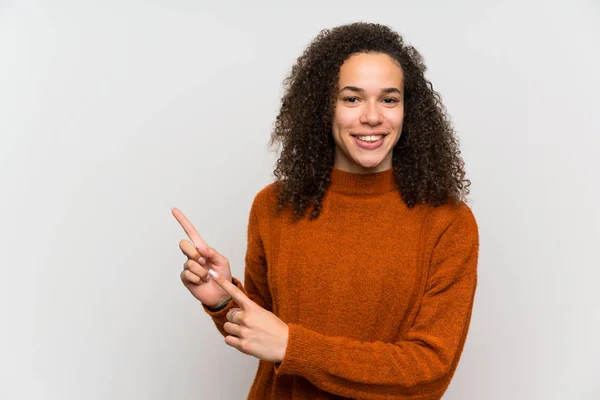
[112, 112]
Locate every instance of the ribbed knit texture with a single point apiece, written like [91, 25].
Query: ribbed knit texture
[377, 296]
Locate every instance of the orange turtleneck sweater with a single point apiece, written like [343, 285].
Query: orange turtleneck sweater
[377, 296]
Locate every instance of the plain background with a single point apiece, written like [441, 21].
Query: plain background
[112, 112]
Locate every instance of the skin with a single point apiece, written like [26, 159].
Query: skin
[370, 100]
[253, 330]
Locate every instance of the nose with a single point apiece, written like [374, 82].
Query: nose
[371, 114]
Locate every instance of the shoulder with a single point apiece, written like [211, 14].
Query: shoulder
[452, 243]
[453, 220]
[265, 201]
[453, 213]
[267, 196]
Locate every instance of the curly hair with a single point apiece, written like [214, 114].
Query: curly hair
[426, 160]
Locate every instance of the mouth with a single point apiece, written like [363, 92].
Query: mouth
[370, 141]
[369, 138]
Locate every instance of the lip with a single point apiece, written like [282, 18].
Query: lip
[368, 146]
[373, 133]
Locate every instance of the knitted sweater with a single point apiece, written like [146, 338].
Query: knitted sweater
[377, 296]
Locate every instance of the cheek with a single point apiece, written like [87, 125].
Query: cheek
[396, 116]
[345, 119]
[395, 121]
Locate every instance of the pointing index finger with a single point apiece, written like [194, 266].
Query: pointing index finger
[240, 297]
[188, 227]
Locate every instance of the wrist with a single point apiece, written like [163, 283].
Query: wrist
[221, 305]
[223, 302]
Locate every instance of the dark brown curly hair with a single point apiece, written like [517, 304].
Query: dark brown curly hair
[426, 160]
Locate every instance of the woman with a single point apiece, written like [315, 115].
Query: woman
[361, 265]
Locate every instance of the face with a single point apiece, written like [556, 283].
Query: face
[369, 111]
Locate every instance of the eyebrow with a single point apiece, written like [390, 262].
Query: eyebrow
[361, 90]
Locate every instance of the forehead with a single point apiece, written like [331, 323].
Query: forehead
[370, 69]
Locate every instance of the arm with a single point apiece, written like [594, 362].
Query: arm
[419, 366]
[255, 275]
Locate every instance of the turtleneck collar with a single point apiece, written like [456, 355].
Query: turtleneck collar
[362, 184]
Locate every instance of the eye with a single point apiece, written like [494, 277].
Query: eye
[390, 100]
[351, 99]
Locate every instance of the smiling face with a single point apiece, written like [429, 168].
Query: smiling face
[369, 111]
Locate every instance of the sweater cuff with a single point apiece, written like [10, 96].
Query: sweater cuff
[304, 352]
[222, 312]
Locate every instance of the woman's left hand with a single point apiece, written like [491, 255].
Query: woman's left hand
[254, 330]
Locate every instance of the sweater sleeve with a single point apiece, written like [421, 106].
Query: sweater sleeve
[420, 365]
[255, 274]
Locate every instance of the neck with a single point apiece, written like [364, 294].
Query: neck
[344, 163]
[351, 183]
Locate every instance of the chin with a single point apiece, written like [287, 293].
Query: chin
[370, 164]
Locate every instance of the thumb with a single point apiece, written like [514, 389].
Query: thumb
[213, 255]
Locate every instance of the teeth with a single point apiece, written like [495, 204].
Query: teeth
[371, 138]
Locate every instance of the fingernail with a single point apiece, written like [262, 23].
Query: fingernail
[212, 273]
[200, 247]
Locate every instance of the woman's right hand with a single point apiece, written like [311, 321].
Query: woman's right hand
[201, 258]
